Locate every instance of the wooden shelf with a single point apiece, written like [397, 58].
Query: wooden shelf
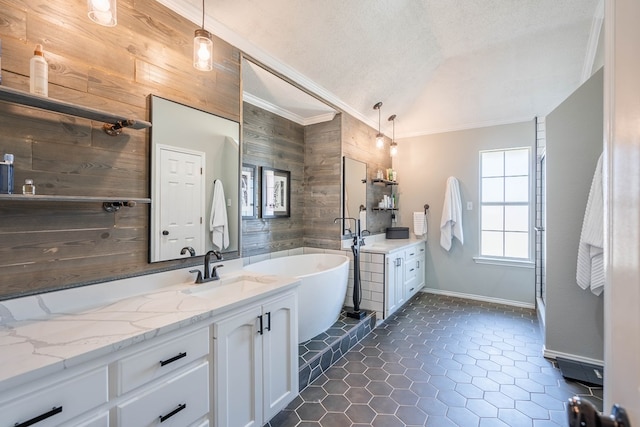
[384, 181]
[49, 104]
[109, 204]
[90, 199]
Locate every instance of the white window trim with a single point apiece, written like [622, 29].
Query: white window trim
[506, 261]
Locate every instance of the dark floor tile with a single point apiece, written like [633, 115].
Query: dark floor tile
[439, 361]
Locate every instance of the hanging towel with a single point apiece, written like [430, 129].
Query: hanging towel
[590, 269]
[218, 224]
[420, 224]
[451, 221]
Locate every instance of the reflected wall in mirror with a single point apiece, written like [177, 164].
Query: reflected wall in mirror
[354, 194]
[191, 150]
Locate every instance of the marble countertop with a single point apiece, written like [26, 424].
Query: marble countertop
[387, 246]
[32, 348]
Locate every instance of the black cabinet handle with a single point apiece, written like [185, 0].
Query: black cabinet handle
[173, 359]
[39, 418]
[260, 331]
[164, 418]
[268, 321]
[165, 233]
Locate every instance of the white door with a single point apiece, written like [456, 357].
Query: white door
[181, 198]
[280, 354]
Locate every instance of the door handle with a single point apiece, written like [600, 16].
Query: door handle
[165, 233]
[538, 228]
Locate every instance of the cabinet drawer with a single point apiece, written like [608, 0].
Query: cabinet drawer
[159, 360]
[176, 402]
[60, 402]
[410, 269]
[411, 253]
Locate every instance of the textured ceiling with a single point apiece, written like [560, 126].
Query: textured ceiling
[437, 64]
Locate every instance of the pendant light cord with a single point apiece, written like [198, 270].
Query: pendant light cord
[203, 14]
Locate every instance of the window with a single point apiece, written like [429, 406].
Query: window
[505, 204]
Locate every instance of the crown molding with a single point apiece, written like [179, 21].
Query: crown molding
[466, 126]
[289, 115]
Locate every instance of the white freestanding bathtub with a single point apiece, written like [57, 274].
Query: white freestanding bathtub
[322, 291]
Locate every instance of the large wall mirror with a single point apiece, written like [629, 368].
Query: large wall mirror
[195, 176]
[354, 194]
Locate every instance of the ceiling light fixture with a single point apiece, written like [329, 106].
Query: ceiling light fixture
[379, 136]
[103, 12]
[202, 48]
[394, 145]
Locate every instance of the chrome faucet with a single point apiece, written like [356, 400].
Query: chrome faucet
[209, 275]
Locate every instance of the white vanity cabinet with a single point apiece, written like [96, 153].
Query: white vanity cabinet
[414, 258]
[394, 283]
[256, 362]
[404, 276]
[165, 381]
[58, 401]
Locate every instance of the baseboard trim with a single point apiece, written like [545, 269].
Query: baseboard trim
[479, 298]
[552, 354]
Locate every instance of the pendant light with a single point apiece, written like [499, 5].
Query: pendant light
[103, 12]
[202, 48]
[379, 136]
[394, 145]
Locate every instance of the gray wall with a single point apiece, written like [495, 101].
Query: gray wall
[424, 163]
[574, 317]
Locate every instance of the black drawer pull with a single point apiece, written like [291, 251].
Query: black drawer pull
[260, 331]
[39, 418]
[164, 418]
[268, 321]
[173, 359]
[412, 269]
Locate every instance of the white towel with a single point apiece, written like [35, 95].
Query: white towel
[420, 224]
[451, 221]
[590, 269]
[218, 224]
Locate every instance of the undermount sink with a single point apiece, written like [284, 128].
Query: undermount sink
[236, 284]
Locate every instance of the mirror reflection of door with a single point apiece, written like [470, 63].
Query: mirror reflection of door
[180, 194]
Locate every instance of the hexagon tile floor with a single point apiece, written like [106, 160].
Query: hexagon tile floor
[442, 362]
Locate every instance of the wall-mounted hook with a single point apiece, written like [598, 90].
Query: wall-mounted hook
[115, 206]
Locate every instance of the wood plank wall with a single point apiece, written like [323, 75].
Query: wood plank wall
[323, 183]
[358, 143]
[272, 141]
[46, 246]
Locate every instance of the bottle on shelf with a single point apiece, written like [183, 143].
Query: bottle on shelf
[38, 73]
[6, 175]
[29, 188]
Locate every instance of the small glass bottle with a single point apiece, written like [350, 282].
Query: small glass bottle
[29, 188]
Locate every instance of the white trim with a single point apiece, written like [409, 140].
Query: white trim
[479, 298]
[466, 126]
[304, 121]
[504, 262]
[592, 43]
[551, 354]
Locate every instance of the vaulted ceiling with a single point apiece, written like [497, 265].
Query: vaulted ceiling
[437, 64]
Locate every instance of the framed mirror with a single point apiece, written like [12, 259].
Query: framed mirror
[354, 194]
[195, 182]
